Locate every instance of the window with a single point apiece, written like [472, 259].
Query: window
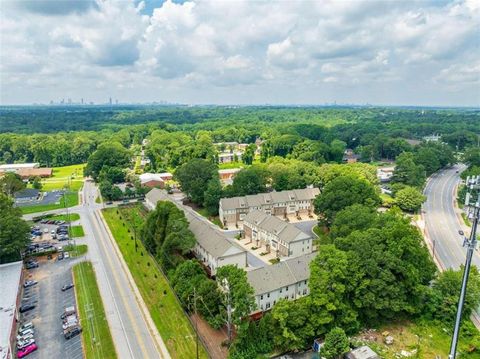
[280, 290]
[286, 288]
[267, 305]
[268, 295]
[261, 297]
[304, 291]
[305, 282]
[286, 297]
[274, 302]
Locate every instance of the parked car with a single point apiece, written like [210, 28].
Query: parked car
[23, 337]
[66, 255]
[25, 343]
[31, 265]
[60, 256]
[68, 311]
[27, 350]
[26, 326]
[26, 307]
[67, 287]
[29, 283]
[26, 332]
[72, 332]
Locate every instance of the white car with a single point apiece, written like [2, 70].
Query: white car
[25, 343]
[45, 230]
[25, 332]
[66, 255]
[25, 326]
[22, 338]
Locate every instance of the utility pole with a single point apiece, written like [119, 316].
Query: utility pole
[471, 244]
[196, 317]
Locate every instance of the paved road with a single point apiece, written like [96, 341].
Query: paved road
[442, 221]
[132, 336]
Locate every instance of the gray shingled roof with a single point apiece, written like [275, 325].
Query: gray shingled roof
[285, 231]
[288, 272]
[261, 199]
[207, 236]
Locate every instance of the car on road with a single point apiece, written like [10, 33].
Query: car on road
[27, 350]
[29, 283]
[67, 287]
[26, 307]
[72, 332]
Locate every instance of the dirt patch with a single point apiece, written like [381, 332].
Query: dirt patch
[212, 338]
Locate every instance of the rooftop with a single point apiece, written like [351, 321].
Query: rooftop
[164, 176]
[282, 274]
[260, 199]
[15, 166]
[10, 274]
[286, 232]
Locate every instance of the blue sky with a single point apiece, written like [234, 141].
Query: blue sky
[241, 52]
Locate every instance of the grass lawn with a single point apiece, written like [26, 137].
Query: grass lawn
[96, 336]
[76, 231]
[166, 312]
[71, 200]
[429, 338]
[76, 251]
[61, 176]
[466, 220]
[230, 165]
[215, 220]
[322, 236]
[63, 217]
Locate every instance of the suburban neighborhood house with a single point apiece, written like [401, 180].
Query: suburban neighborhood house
[213, 249]
[227, 157]
[285, 280]
[283, 238]
[155, 179]
[285, 204]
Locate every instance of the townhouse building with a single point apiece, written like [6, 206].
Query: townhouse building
[283, 204]
[277, 236]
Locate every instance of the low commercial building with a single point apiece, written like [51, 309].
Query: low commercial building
[42, 172]
[10, 281]
[280, 237]
[284, 204]
[155, 179]
[213, 249]
[226, 176]
[285, 280]
[227, 157]
[14, 167]
[385, 174]
[26, 195]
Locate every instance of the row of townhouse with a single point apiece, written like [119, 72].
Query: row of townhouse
[213, 248]
[285, 280]
[283, 204]
[280, 237]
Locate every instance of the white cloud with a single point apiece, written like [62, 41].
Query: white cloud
[242, 51]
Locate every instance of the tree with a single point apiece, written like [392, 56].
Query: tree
[108, 154]
[407, 171]
[249, 154]
[342, 192]
[112, 174]
[444, 295]
[106, 189]
[353, 218]
[251, 180]
[336, 344]
[472, 156]
[409, 199]
[14, 231]
[11, 183]
[193, 176]
[212, 196]
[37, 183]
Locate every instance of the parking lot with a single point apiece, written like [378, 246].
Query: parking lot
[48, 198]
[50, 303]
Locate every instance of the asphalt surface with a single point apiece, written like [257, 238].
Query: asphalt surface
[51, 301]
[49, 198]
[443, 221]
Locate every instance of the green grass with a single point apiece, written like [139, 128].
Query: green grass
[230, 165]
[215, 220]
[61, 176]
[63, 217]
[76, 231]
[322, 236]
[76, 251]
[466, 220]
[98, 199]
[71, 200]
[431, 339]
[96, 337]
[166, 312]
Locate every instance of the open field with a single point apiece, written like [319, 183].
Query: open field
[166, 312]
[96, 336]
[61, 177]
[76, 251]
[72, 217]
[429, 339]
[71, 199]
[76, 231]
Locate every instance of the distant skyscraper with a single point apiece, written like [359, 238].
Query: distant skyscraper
[110, 101]
[82, 100]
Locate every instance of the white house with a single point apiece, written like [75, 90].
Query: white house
[285, 280]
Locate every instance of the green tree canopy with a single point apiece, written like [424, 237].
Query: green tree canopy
[251, 180]
[352, 218]
[14, 231]
[212, 196]
[342, 192]
[108, 154]
[409, 199]
[336, 344]
[407, 171]
[11, 183]
[193, 177]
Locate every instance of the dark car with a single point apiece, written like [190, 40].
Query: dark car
[72, 332]
[60, 256]
[29, 283]
[26, 307]
[31, 265]
[67, 287]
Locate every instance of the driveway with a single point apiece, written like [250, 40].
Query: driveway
[51, 301]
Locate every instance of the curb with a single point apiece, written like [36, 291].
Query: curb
[158, 340]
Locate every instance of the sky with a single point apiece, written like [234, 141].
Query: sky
[423, 53]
